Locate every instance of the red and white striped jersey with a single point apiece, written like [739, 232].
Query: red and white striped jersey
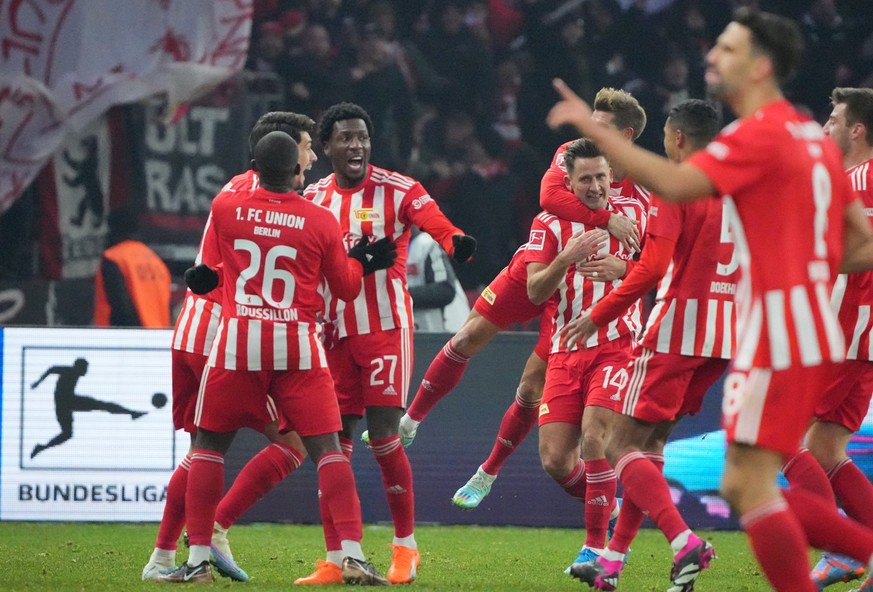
[273, 251]
[557, 199]
[548, 236]
[785, 192]
[198, 321]
[694, 307]
[853, 293]
[384, 204]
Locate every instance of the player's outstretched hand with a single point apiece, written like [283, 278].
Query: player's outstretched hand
[201, 278]
[578, 331]
[378, 255]
[464, 247]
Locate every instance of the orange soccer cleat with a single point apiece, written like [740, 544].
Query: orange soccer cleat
[404, 563]
[325, 573]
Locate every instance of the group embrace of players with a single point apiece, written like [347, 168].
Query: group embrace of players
[299, 323]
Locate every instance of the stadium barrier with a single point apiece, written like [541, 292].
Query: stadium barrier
[115, 468]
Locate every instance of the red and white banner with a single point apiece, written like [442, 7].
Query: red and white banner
[66, 62]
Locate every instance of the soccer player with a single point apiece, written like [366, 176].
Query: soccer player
[846, 400]
[772, 161]
[192, 340]
[686, 346]
[269, 252]
[504, 301]
[370, 339]
[582, 383]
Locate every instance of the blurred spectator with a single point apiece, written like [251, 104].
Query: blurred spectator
[439, 304]
[317, 76]
[268, 50]
[132, 286]
[379, 87]
[659, 97]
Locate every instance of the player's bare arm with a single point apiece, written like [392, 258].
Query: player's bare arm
[672, 181]
[543, 280]
[857, 240]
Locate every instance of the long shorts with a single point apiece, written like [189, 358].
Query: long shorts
[302, 400]
[577, 379]
[770, 408]
[662, 387]
[372, 370]
[847, 398]
[187, 369]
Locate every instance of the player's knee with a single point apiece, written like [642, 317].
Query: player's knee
[530, 390]
[593, 445]
[556, 464]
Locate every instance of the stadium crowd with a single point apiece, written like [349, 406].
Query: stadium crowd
[458, 90]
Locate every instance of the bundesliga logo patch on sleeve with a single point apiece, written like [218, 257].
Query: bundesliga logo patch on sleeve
[537, 240]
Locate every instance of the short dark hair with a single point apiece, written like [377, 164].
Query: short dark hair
[626, 109]
[776, 36]
[859, 107]
[697, 119]
[341, 112]
[276, 155]
[292, 124]
[581, 148]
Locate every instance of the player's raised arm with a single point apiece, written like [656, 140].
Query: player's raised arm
[674, 182]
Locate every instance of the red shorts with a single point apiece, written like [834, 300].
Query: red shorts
[847, 398]
[187, 368]
[584, 377]
[372, 370]
[504, 301]
[305, 401]
[662, 387]
[772, 408]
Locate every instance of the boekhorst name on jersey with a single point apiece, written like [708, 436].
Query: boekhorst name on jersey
[283, 315]
[100, 493]
[723, 288]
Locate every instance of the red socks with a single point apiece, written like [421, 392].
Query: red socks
[599, 500]
[575, 483]
[646, 487]
[173, 520]
[261, 474]
[804, 473]
[777, 540]
[517, 423]
[443, 374]
[331, 541]
[397, 480]
[826, 529]
[854, 491]
[336, 484]
[205, 486]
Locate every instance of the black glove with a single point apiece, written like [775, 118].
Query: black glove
[378, 255]
[465, 246]
[201, 278]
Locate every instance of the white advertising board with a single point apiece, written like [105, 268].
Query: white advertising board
[87, 430]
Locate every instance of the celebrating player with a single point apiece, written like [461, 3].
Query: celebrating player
[370, 340]
[788, 338]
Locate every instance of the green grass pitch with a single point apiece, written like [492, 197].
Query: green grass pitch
[109, 557]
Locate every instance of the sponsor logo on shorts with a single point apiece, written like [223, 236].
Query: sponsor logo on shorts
[390, 390]
[365, 214]
[544, 409]
[488, 295]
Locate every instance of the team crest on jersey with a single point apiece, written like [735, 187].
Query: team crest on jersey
[488, 295]
[367, 214]
[537, 240]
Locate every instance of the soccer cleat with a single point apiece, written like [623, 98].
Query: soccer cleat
[185, 574]
[358, 572]
[585, 555]
[405, 439]
[404, 563]
[835, 568]
[474, 491]
[601, 574]
[326, 573]
[694, 557]
[155, 569]
[407, 430]
[867, 586]
[221, 557]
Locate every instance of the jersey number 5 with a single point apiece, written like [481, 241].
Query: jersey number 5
[272, 274]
